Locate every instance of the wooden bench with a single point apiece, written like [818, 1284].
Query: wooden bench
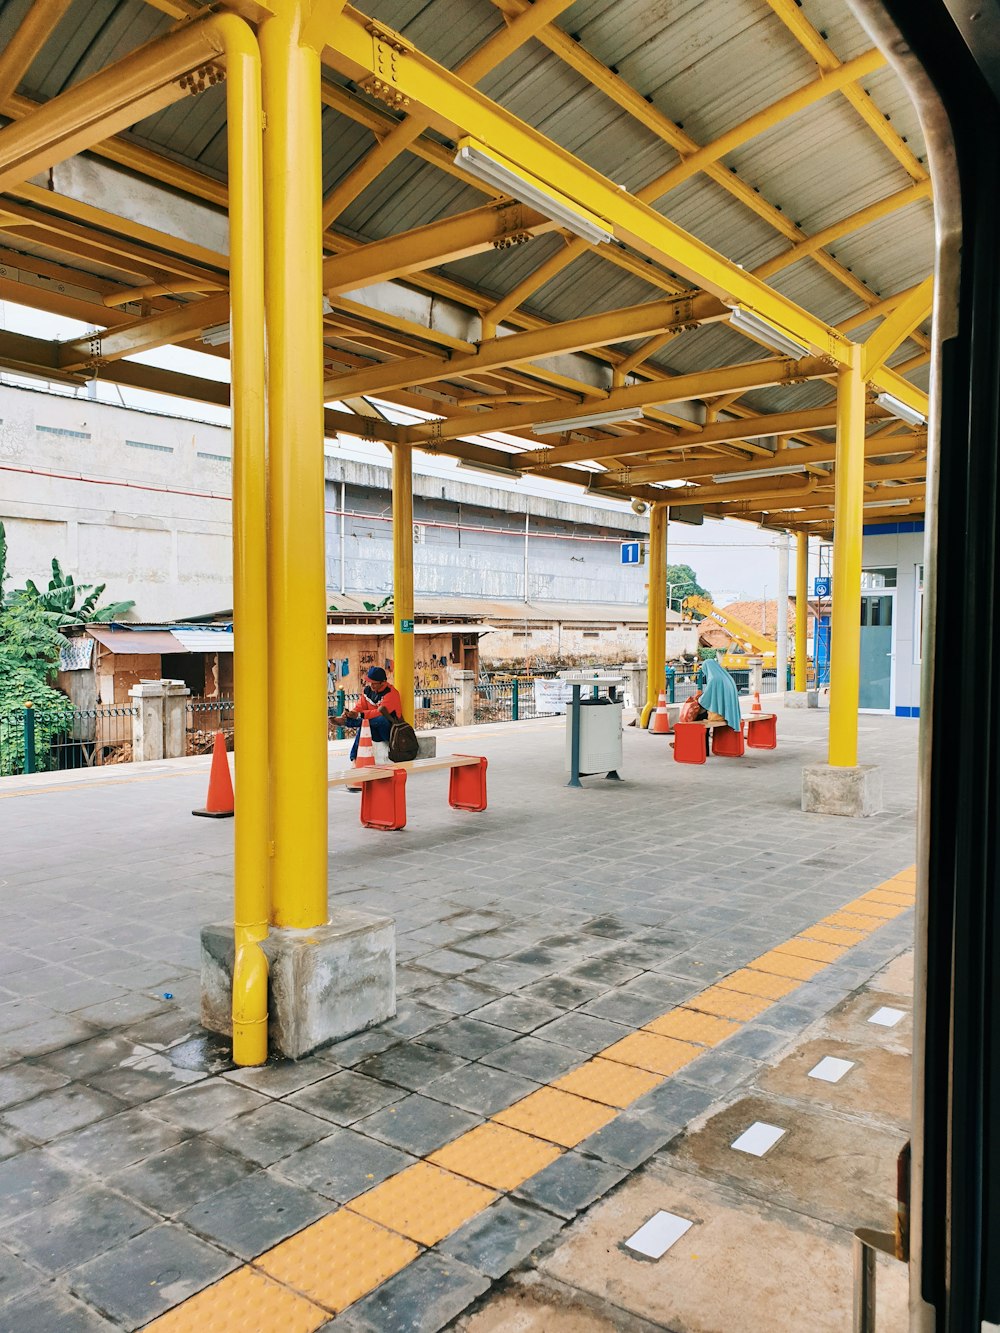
[383, 788]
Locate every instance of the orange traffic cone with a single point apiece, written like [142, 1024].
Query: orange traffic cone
[220, 803]
[365, 758]
[755, 706]
[661, 718]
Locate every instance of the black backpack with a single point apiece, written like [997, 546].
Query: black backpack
[403, 744]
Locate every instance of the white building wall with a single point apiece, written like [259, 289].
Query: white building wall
[899, 545]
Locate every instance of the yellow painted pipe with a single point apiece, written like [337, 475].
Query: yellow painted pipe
[801, 608]
[402, 575]
[297, 644]
[845, 646]
[252, 900]
[656, 624]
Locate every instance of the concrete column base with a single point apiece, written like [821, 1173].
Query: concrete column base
[801, 699]
[324, 984]
[855, 792]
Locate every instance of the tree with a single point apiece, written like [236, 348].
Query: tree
[682, 582]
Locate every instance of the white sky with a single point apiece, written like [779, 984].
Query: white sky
[734, 560]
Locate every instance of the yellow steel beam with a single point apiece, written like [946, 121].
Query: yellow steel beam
[656, 618]
[768, 118]
[813, 42]
[864, 217]
[487, 58]
[613, 86]
[150, 290]
[134, 87]
[848, 519]
[15, 60]
[801, 610]
[680, 389]
[297, 642]
[438, 243]
[572, 336]
[897, 327]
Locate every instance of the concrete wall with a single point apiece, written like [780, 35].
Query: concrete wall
[141, 501]
[901, 545]
[598, 644]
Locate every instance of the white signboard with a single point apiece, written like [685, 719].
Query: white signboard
[552, 696]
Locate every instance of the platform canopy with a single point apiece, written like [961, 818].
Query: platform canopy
[617, 243]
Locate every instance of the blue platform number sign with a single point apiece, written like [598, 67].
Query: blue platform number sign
[631, 553]
[821, 588]
[406, 627]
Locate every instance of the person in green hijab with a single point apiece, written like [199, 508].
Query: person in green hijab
[720, 695]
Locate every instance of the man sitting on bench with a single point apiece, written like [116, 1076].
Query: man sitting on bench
[380, 704]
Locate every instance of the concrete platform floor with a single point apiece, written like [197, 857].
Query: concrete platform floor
[140, 1168]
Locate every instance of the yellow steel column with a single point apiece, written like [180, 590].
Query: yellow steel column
[296, 547]
[845, 647]
[402, 575]
[656, 627]
[801, 609]
[246, 267]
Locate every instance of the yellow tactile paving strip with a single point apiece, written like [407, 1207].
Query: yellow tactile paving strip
[329, 1265]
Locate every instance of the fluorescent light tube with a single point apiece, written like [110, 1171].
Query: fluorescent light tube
[896, 408]
[216, 335]
[785, 471]
[886, 504]
[769, 334]
[497, 468]
[483, 163]
[594, 419]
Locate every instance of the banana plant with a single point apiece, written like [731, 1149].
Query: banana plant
[60, 600]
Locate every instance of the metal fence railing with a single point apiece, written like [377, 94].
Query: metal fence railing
[505, 700]
[44, 740]
[203, 718]
[434, 708]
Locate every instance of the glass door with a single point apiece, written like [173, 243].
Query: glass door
[877, 693]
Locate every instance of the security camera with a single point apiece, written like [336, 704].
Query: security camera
[639, 506]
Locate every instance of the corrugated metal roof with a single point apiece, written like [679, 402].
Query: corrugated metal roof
[204, 640]
[136, 642]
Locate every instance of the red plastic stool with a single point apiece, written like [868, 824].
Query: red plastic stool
[383, 801]
[467, 785]
[727, 741]
[690, 743]
[762, 732]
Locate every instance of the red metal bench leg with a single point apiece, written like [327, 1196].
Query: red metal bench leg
[467, 786]
[727, 741]
[383, 801]
[690, 743]
[762, 733]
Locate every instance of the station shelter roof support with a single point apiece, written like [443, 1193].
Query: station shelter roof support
[296, 544]
[656, 625]
[801, 609]
[402, 575]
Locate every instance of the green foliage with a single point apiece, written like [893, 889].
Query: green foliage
[682, 582]
[383, 605]
[60, 600]
[707, 654]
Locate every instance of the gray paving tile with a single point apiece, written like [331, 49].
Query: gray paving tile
[50, 1310]
[517, 1014]
[500, 1238]
[117, 1142]
[468, 1037]
[417, 1124]
[460, 996]
[92, 1056]
[610, 974]
[21, 1082]
[15, 1276]
[409, 1066]
[255, 1213]
[756, 1043]
[412, 1019]
[570, 1183]
[630, 1138]
[78, 1227]
[423, 1298]
[480, 1089]
[534, 1058]
[353, 1050]
[564, 992]
[283, 1077]
[208, 1104]
[343, 1165]
[173, 1180]
[58, 1112]
[269, 1133]
[721, 1069]
[583, 1032]
[31, 1180]
[150, 1274]
[151, 1077]
[49, 1035]
[345, 1097]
